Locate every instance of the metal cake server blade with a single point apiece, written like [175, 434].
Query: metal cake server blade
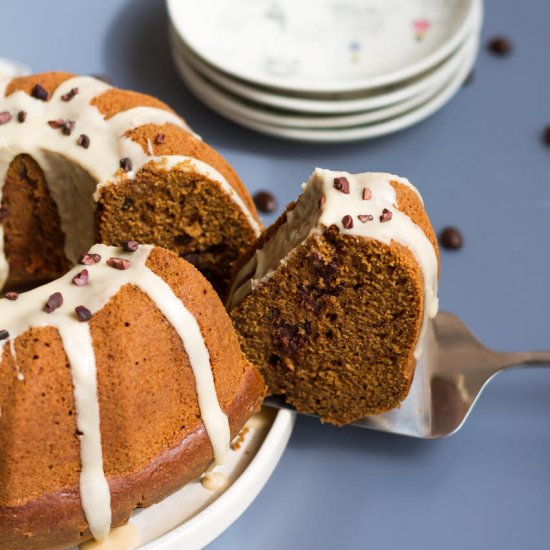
[452, 373]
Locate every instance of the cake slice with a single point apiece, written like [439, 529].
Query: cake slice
[332, 303]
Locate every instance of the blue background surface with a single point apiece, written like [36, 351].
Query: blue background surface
[480, 164]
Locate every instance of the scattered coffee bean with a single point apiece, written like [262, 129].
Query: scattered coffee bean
[160, 139]
[126, 164]
[89, 259]
[342, 184]
[546, 135]
[21, 116]
[130, 246]
[118, 263]
[386, 215]
[56, 124]
[54, 301]
[5, 117]
[451, 238]
[68, 127]
[70, 94]
[499, 45]
[265, 202]
[83, 140]
[4, 334]
[367, 194]
[39, 92]
[83, 313]
[365, 217]
[81, 279]
[347, 222]
[11, 296]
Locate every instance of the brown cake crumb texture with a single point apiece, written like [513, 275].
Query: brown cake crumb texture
[181, 210]
[33, 240]
[334, 329]
[152, 436]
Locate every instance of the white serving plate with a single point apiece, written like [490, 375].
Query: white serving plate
[355, 132]
[227, 102]
[194, 516]
[326, 46]
[12, 68]
[337, 103]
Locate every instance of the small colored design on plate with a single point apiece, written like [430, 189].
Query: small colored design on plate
[421, 28]
[355, 48]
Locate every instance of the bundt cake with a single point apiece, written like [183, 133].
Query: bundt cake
[332, 303]
[119, 383]
[83, 162]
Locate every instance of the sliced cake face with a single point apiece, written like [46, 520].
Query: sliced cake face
[333, 303]
[92, 162]
[119, 383]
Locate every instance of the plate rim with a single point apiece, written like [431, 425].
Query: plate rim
[213, 520]
[369, 131]
[362, 84]
[255, 113]
[317, 105]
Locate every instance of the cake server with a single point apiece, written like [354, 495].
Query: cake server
[449, 378]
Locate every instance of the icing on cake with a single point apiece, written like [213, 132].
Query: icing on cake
[103, 282]
[52, 134]
[370, 214]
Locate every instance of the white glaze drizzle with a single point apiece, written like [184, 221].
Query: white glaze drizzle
[74, 174]
[307, 218]
[104, 282]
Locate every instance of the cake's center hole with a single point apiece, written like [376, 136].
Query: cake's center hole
[47, 215]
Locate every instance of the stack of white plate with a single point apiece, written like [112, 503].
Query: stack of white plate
[325, 70]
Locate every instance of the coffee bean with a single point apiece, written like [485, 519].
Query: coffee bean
[54, 301]
[451, 238]
[81, 279]
[5, 117]
[347, 222]
[546, 135]
[83, 140]
[499, 45]
[386, 215]
[89, 259]
[118, 263]
[130, 246]
[342, 184]
[83, 313]
[126, 164]
[265, 202]
[39, 92]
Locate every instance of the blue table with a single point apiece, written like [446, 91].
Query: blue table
[480, 165]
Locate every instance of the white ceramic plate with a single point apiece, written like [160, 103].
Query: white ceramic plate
[11, 68]
[325, 46]
[225, 101]
[374, 99]
[194, 516]
[355, 132]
